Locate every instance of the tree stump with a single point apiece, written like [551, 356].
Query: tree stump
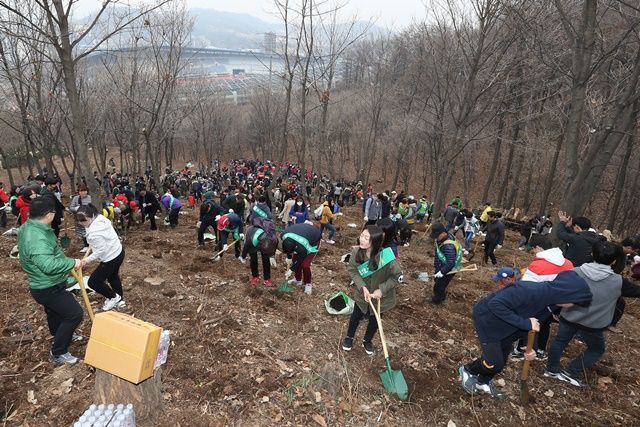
[146, 396]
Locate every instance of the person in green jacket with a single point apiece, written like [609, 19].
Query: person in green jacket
[47, 270]
[375, 272]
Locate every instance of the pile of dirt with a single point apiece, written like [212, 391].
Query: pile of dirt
[249, 356]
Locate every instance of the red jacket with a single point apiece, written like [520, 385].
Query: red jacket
[23, 205]
[4, 198]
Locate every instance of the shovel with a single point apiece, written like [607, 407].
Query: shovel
[472, 267]
[225, 249]
[77, 274]
[284, 288]
[424, 235]
[393, 380]
[524, 375]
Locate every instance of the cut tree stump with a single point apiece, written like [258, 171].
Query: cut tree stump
[146, 396]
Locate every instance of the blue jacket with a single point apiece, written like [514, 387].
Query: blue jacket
[449, 251]
[507, 311]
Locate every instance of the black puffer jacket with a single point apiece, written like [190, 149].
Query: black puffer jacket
[579, 246]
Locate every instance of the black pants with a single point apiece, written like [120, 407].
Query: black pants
[64, 314]
[440, 288]
[56, 227]
[151, 214]
[108, 271]
[204, 224]
[3, 219]
[355, 319]
[542, 336]
[173, 217]
[489, 248]
[494, 358]
[617, 314]
[224, 236]
[266, 265]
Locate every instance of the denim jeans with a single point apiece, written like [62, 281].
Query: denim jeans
[330, 227]
[468, 237]
[594, 351]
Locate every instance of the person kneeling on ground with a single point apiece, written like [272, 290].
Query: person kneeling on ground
[107, 250]
[300, 242]
[47, 270]
[503, 316]
[375, 272]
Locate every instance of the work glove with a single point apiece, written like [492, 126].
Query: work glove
[339, 213]
[366, 219]
[241, 236]
[498, 247]
[224, 248]
[288, 274]
[198, 224]
[438, 275]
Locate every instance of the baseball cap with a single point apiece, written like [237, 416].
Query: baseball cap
[504, 273]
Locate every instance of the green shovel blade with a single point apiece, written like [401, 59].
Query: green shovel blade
[394, 381]
[285, 288]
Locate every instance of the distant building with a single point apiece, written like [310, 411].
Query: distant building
[270, 42]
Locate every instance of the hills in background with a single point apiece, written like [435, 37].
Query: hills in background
[229, 30]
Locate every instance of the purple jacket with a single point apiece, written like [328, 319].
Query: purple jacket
[169, 202]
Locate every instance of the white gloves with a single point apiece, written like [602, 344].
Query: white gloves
[438, 275]
[242, 260]
[198, 224]
[366, 219]
[224, 248]
[241, 237]
[339, 214]
[288, 274]
[498, 247]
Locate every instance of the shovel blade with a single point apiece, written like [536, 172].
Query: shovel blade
[394, 382]
[284, 288]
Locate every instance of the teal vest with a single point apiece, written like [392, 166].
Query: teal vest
[386, 256]
[304, 242]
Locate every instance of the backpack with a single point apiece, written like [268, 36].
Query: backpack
[267, 226]
[317, 213]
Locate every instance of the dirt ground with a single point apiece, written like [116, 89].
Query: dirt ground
[251, 356]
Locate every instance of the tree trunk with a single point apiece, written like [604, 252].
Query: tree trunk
[146, 397]
[548, 186]
[620, 180]
[496, 159]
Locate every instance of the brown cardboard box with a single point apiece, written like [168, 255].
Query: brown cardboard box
[123, 346]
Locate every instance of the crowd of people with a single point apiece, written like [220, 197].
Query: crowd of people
[258, 207]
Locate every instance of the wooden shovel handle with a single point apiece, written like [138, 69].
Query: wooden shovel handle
[77, 274]
[525, 367]
[379, 320]
[228, 246]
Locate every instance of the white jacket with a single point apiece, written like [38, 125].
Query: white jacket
[103, 240]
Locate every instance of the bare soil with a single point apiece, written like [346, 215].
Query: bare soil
[251, 356]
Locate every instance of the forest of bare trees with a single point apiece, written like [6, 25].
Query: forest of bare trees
[525, 103]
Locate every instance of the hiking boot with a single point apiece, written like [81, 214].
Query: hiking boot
[254, 281]
[111, 303]
[331, 242]
[516, 354]
[488, 388]
[307, 288]
[541, 355]
[347, 344]
[568, 378]
[368, 347]
[268, 283]
[294, 281]
[468, 380]
[66, 358]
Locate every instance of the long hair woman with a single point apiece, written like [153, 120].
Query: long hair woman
[375, 272]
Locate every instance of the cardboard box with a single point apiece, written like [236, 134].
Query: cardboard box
[123, 346]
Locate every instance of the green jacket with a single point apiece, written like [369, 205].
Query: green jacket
[41, 257]
[384, 279]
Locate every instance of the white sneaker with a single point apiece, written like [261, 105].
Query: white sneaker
[294, 282]
[242, 260]
[307, 288]
[62, 359]
[215, 258]
[111, 302]
[273, 262]
[331, 242]
[121, 304]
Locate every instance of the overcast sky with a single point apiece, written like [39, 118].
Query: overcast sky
[391, 14]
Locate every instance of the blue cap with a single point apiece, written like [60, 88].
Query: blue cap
[504, 273]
